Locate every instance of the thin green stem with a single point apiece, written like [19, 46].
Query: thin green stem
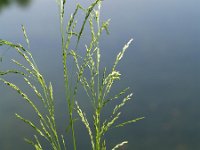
[66, 80]
[98, 129]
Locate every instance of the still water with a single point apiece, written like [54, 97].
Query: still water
[162, 67]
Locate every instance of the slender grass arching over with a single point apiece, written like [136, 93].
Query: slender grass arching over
[97, 84]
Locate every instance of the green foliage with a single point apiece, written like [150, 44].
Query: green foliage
[97, 85]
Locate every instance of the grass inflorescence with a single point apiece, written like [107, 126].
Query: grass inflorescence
[98, 85]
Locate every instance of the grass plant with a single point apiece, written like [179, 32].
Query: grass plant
[97, 85]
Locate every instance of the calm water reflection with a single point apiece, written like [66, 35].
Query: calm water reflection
[162, 67]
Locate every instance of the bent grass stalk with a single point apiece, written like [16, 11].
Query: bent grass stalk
[97, 86]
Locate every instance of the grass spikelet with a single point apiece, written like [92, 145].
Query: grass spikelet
[120, 55]
[63, 142]
[71, 20]
[39, 95]
[107, 125]
[89, 10]
[86, 123]
[12, 71]
[46, 131]
[31, 143]
[31, 124]
[117, 107]
[30, 72]
[130, 121]
[38, 145]
[108, 82]
[116, 96]
[24, 96]
[120, 145]
[25, 36]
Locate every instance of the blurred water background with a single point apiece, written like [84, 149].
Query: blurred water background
[162, 67]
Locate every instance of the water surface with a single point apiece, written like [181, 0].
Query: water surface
[162, 67]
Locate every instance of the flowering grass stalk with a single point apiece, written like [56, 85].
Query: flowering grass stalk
[97, 85]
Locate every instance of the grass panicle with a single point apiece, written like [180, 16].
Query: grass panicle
[97, 85]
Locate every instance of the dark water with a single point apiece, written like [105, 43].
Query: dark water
[5, 3]
[162, 67]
